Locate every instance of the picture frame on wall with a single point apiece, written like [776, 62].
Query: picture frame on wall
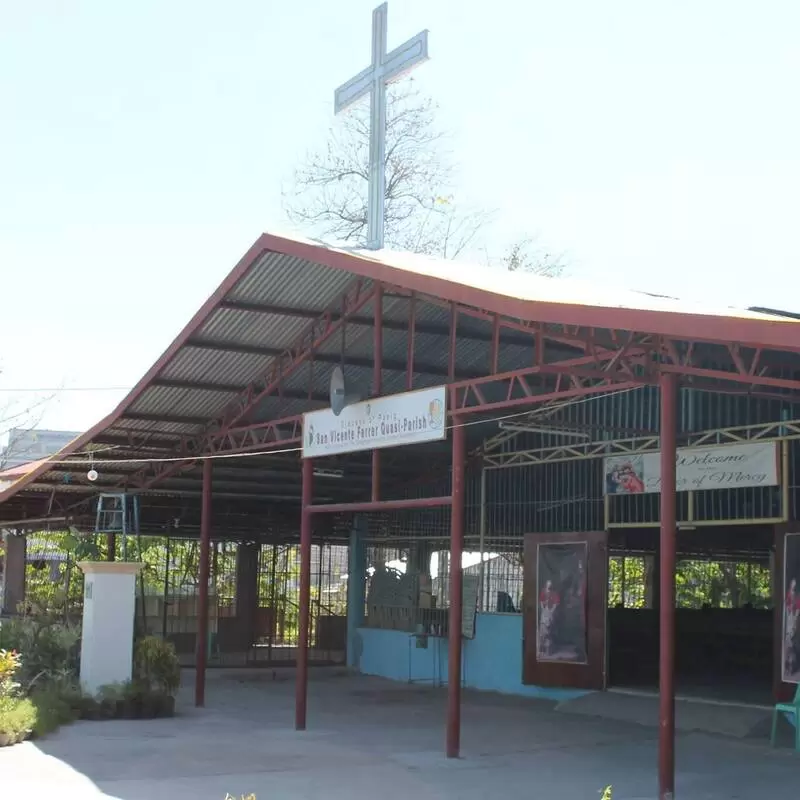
[561, 625]
[790, 643]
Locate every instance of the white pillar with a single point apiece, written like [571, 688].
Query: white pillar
[109, 604]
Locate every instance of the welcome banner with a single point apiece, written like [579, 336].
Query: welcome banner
[728, 466]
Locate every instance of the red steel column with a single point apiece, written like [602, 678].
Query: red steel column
[377, 381]
[301, 688]
[666, 741]
[453, 739]
[410, 346]
[202, 595]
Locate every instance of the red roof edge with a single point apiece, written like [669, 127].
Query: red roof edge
[241, 268]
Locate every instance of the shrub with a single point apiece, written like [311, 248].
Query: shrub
[17, 719]
[155, 665]
[49, 648]
[41, 680]
[56, 705]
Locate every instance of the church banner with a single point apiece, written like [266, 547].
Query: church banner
[392, 421]
[727, 466]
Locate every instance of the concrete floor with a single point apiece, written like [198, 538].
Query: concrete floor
[372, 738]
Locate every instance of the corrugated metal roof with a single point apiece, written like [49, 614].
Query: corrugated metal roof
[294, 280]
[282, 280]
[540, 289]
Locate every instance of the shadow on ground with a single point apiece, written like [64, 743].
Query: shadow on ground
[371, 738]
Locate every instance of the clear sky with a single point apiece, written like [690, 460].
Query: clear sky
[144, 146]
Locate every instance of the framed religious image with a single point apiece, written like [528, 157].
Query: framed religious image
[790, 649]
[561, 629]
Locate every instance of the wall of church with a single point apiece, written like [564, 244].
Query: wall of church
[492, 661]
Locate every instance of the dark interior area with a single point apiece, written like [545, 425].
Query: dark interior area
[724, 612]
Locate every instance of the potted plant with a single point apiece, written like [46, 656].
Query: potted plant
[157, 672]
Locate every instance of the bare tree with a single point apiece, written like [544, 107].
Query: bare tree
[329, 192]
[16, 417]
[525, 256]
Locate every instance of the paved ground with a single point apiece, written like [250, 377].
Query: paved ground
[370, 738]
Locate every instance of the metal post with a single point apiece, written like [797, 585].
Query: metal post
[666, 741]
[451, 360]
[412, 340]
[454, 624]
[167, 557]
[377, 380]
[301, 688]
[482, 538]
[202, 596]
[273, 605]
[111, 547]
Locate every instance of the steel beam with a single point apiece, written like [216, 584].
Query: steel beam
[453, 733]
[611, 359]
[304, 350]
[430, 328]
[279, 434]
[172, 419]
[234, 388]
[301, 686]
[202, 592]
[377, 383]
[411, 341]
[381, 505]
[391, 365]
[667, 560]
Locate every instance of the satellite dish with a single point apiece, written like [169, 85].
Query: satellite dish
[338, 394]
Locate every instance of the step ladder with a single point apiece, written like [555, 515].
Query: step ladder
[118, 514]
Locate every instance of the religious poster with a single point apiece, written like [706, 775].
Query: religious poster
[727, 466]
[790, 660]
[561, 633]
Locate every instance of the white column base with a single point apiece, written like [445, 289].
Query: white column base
[109, 598]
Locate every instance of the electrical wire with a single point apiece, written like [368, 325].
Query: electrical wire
[33, 390]
[220, 456]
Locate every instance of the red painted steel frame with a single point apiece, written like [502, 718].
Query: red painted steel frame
[453, 733]
[380, 505]
[412, 341]
[202, 594]
[301, 687]
[659, 342]
[319, 332]
[614, 359]
[666, 739]
[377, 375]
[262, 437]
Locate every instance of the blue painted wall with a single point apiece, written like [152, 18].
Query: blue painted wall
[492, 661]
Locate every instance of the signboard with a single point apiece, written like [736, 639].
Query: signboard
[400, 419]
[727, 466]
